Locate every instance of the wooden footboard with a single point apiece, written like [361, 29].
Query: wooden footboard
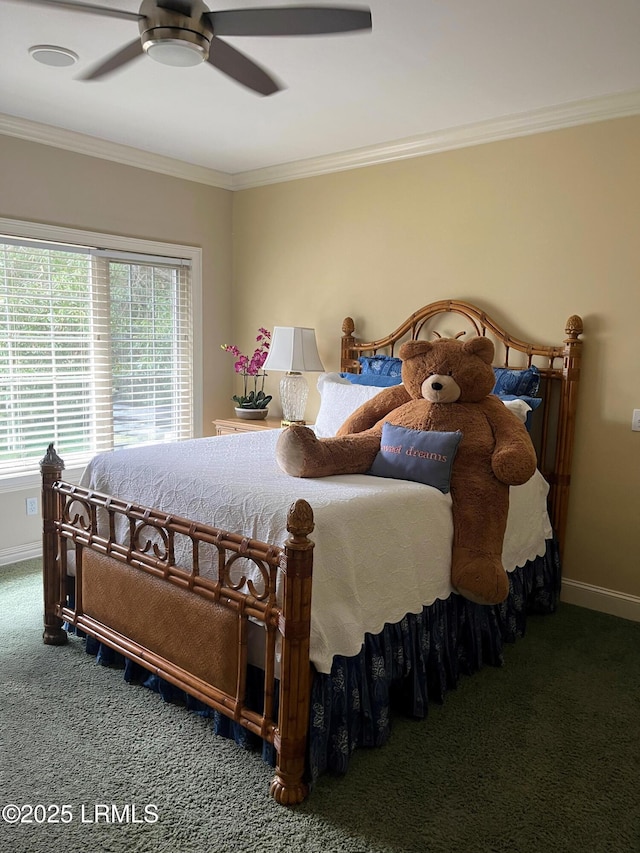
[110, 570]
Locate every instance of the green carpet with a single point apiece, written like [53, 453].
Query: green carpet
[541, 755]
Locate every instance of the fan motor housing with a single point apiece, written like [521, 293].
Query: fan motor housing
[165, 26]
[175, 35]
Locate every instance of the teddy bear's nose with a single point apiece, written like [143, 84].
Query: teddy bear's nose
[437, 386]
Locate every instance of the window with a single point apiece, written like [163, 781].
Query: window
[96, 347]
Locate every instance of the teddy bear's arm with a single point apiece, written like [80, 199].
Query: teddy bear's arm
[514, 456]
[375, 409]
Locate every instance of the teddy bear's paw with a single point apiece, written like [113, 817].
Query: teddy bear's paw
[514, 465]
[296, 450]
[479, 577]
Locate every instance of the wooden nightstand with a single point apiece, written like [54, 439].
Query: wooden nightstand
[227, 426]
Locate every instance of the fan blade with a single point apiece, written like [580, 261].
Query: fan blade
[115, 61]
[291, 21]
[87, 7]
[240, 68]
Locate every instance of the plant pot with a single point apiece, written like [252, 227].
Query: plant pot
[251, 414]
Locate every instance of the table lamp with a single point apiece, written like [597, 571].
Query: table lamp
[293, 350]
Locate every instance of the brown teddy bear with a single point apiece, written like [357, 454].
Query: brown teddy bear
[446, 390]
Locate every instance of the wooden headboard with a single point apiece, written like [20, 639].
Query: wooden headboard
[554, 423]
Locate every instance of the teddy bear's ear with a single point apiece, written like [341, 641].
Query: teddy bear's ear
[409, 349]
[482, 347]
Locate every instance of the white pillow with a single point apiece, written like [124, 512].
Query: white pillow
[338, 399]
[519, 408]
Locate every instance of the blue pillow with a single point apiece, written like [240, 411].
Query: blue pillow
[377, 379]
[382, 365]
[518, 382]
[419, 455]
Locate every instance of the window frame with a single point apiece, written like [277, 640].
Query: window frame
[58, 234]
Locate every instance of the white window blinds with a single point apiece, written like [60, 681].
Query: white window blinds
[96, 351]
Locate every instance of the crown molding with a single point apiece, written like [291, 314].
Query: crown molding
[126, 155]
[524, 124]
[544, 120]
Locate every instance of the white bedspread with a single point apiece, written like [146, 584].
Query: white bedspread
[382, 546]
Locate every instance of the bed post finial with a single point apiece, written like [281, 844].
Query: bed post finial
[300, 521]
[288, 787]
[574, 326]
[51, 462]
[348, 327]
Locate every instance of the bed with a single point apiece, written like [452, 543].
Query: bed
[299, 614]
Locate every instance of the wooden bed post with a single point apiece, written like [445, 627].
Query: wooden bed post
[290, 738]
[572, 357]
[51, 467]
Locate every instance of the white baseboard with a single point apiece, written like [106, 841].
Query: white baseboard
[601, 599]
[20, 552]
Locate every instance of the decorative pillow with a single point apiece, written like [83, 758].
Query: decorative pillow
[339, 399]
[382, 365]
[380, 380]
[519, 408]
[519, 382]
[418, 455]
[523, 407]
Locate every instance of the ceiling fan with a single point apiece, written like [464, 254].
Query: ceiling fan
[186, 32]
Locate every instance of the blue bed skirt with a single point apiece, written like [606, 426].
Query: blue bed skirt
[401, 670]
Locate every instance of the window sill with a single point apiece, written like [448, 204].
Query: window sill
[33, 479]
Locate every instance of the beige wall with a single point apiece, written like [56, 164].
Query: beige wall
[56, 187]
[535, 229]
[532, 230]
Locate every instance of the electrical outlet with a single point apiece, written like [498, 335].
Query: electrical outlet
[635, 420]
[32, 506]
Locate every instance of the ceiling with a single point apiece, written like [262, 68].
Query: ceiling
[427, 69]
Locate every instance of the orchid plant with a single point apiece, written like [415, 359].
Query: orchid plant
[250, 368]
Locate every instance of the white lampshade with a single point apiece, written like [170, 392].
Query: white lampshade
[293, 350]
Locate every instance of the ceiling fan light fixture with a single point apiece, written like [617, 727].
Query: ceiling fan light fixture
[181, 33]
[51, 54]
[176, 47]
